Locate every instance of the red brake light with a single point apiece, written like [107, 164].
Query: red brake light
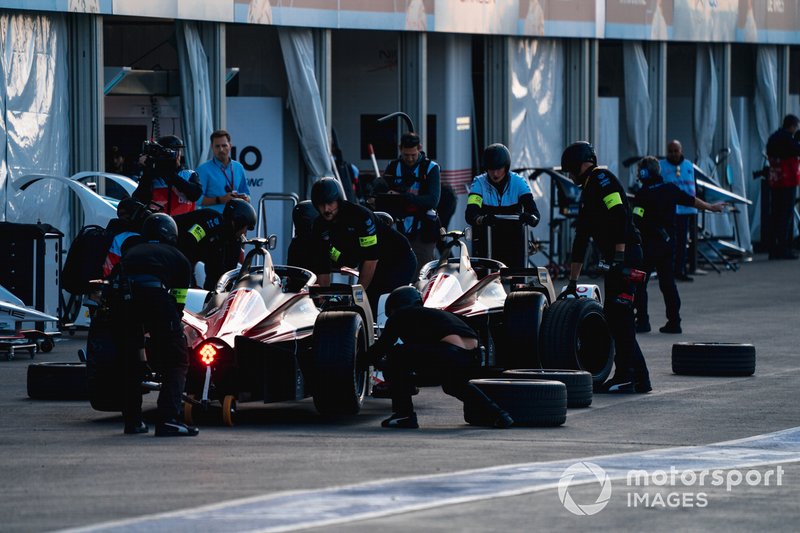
[207, 354]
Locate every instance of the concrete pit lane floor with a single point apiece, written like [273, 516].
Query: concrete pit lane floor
[283, 467]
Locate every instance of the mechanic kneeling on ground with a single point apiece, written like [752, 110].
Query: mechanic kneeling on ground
[605, 216]
[499, 191]
[349, 235]
[150, 285]
[435, 344]
[215, 238]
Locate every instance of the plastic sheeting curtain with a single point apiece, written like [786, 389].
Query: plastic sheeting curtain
[766, 115]
[637, 100]
[739, 181]
[705, 108]
[34, 125]
[297, 46]
[537, 114]
[197, 122]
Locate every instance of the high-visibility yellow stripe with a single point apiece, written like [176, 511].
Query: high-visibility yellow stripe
[180, 295]
[612, 199]
[638, 211]
[475, 199]
[366, 242]
[335, 254]
[197, 232]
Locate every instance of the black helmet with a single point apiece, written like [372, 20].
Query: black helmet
[496, 156]
[303, 216]
[575, 155]
[160, 227]
[133, 211]
[326, 191]
[402, 298]
[241, 213]
[170, 141]
[648, 167]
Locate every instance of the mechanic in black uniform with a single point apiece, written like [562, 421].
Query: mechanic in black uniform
[605, 216]
[498, 191]
[151, 284]
[654, 216]
[347, 234]
[215, 238]
[445, 348]
[301, 249]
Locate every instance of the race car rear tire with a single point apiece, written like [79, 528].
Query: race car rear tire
[522, 314]
[713, 359]
[530, 402]
[576, 336]
[340, 381]
[58, 381]
[578, 383]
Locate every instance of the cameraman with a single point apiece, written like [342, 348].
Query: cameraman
[164, 181]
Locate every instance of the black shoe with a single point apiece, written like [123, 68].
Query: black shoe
[671, 327]
[503, 420]
[642, 326]
[173, 428]
[401, 421]
[683, 277]
[136, 429]
[625, 386]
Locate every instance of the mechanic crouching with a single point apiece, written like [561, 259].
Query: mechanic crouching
[445, 349]
[150, 284]
[605, 216]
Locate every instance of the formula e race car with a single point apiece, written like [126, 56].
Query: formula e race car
[515, 312]
[262, 336]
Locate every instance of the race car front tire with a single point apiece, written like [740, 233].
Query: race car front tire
[340, 381]
[713, 359]
[530, 402]
[58, 381]
[576, 336]
[522, 314]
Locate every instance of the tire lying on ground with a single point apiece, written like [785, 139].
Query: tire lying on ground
[578, 382]
[575, 335]
[713, 359]
[530, 402]
[340, 380]
[58, 381]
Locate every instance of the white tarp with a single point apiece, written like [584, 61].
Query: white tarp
[197, 122]
[766, 116]
[537, 115]
[738, 183]
[34, 117]
[637, 101]
[297, 46]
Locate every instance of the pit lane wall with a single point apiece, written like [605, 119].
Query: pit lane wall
[752, 21]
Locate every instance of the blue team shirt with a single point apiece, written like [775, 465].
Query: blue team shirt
[515, 187]
[681, 175]
[214, 178]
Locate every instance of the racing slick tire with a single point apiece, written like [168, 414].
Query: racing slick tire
[713, 359]
[530, 402]
[576, 336]
[340, 380]
[58, 381]
[523, 312]
[578, 383]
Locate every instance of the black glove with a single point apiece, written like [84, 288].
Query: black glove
[530, 219]
[488, 220]
[571, 290]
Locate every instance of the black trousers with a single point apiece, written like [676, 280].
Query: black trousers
[152, 311]
[685, 226]
[781, 230]
[659, 259]
[441, 362]
[618, 310]
[390, 274]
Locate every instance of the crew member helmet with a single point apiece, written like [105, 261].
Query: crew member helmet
[575, 155]
[303, 216]
[496, 156]
[172, 142]
[241, 213]
[402, 298]
[160, 227]
[326, 191]
[133, 211]
[648, 167]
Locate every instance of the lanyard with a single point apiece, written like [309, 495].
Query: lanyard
[229, 184]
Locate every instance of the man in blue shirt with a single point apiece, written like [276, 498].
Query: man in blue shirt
[678, 170]
[222, 178]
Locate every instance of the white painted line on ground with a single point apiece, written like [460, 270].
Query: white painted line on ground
[337, 505]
